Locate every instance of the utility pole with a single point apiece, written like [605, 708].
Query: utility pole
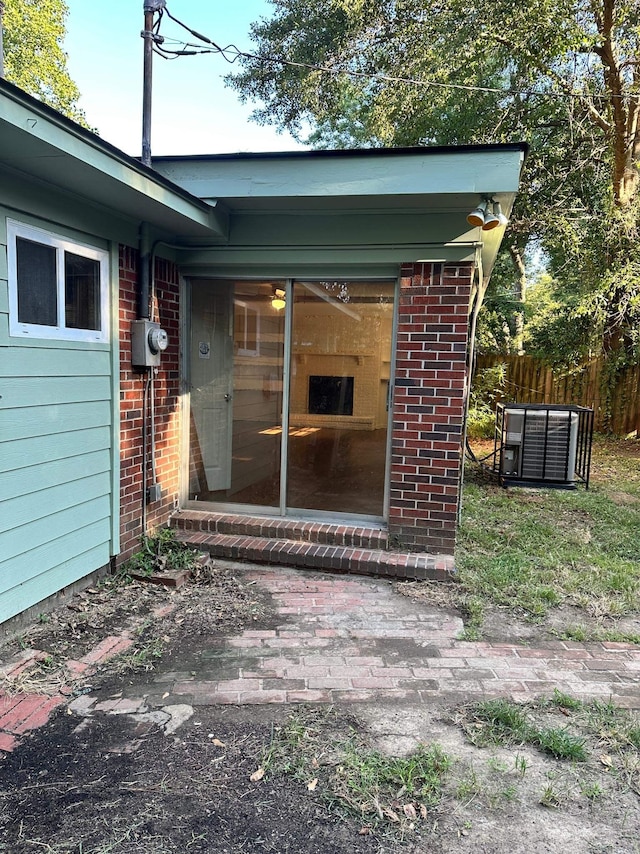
[1, 47]
[150, 8]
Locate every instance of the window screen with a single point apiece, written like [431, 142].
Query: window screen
[37, 283]
[82, 292]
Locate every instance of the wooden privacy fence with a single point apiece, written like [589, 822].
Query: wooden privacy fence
[616, 406]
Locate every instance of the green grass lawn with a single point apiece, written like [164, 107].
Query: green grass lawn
[533, 549]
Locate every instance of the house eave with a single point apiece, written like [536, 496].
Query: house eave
[392, 177]
[441, 185]
[37, 141]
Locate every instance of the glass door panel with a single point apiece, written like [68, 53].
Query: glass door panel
[237, 357]
[338, 404]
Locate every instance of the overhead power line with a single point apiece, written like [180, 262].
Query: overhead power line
[231, 53]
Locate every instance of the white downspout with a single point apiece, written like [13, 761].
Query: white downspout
[471, 354]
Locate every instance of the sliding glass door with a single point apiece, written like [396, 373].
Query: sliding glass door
[236, 361]
[314, 355]
[340, 360]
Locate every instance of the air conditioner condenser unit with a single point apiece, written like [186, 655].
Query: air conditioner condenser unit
[543, 444]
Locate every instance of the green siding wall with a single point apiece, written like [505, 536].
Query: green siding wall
[56, 459]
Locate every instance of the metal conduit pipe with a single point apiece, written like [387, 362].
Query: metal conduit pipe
[144, 273]
[143, 293]
[145, 398]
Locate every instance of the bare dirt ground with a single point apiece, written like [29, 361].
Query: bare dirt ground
[119, 784]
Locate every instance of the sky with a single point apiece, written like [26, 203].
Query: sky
[193, 111]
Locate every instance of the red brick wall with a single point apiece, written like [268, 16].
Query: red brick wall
[427, 411]
[166, 385]
[428, 406]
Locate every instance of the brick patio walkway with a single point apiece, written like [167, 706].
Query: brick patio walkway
[335, 639]
[344, 639]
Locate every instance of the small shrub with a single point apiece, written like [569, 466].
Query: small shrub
[487, 388]
[481, 422]
[160, 552]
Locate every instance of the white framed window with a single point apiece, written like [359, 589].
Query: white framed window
[58, 288]
[246, 329]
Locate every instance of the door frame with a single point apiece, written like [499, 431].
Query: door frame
[281, 511]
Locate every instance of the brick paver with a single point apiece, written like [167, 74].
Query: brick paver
[21, 712]
[107, 648]
[345, 639]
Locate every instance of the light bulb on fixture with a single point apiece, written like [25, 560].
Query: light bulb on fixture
[497, 211]
[491, 221]
[277, 300]
[477, 215]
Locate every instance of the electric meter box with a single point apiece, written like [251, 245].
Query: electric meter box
[148, 342]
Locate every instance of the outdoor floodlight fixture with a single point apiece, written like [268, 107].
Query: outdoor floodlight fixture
[277, 300]
[491, 221]
[476, 217]
[497, 211]
[487, 215]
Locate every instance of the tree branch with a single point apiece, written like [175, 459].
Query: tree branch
[595, 115]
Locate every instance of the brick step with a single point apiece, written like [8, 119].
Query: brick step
[356, 536]
[310, 555]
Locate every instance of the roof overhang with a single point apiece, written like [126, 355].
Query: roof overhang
[443, 182]
[39, 142]
[400, 175]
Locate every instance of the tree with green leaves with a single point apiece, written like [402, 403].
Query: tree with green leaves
[563, 76]
[34, 57]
